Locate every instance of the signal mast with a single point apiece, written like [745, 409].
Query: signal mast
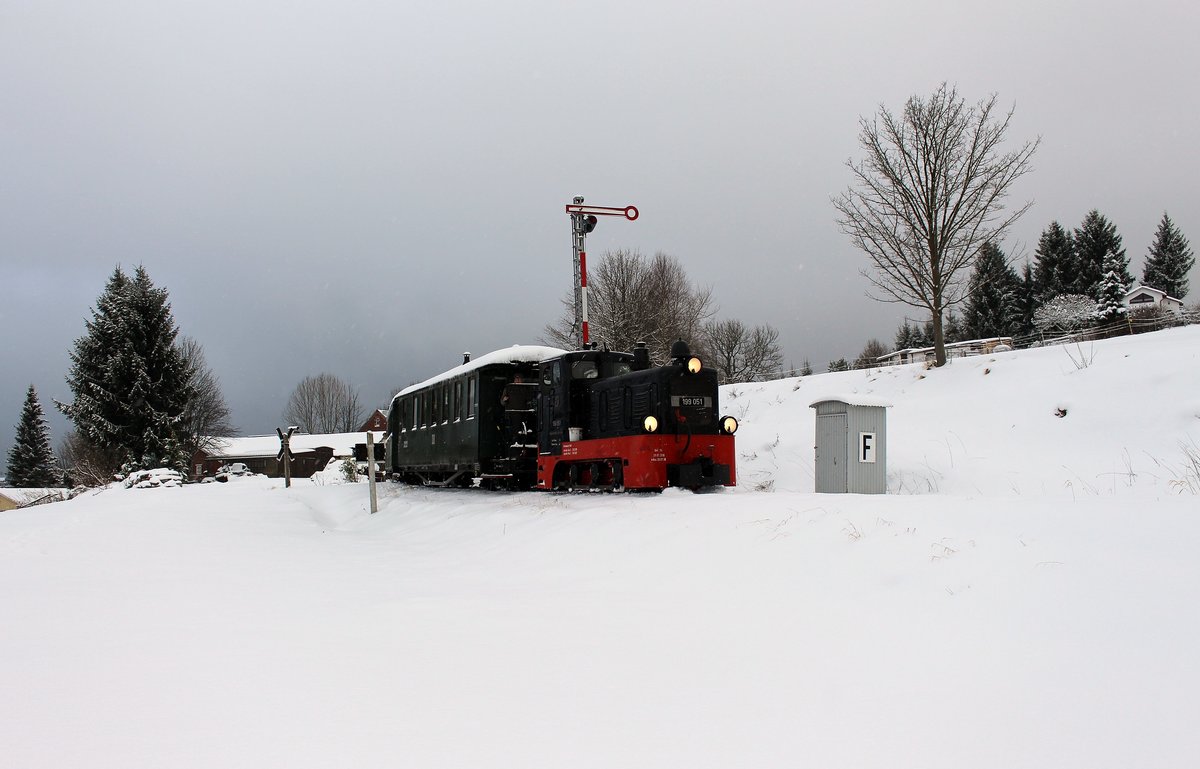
[583, 221]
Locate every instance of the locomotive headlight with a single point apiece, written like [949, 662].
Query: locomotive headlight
[694, 365]
[729, 425]
[650, 423]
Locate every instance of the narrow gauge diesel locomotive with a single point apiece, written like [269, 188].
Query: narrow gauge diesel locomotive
[539, 417]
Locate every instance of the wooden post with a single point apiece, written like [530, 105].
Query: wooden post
[371, 471]
[285, 455]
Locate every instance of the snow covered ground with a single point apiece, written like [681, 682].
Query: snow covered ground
[1028, 597]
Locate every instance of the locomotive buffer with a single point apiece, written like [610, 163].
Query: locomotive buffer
[583, 221]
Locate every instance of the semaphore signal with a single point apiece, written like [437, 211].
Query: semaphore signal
[583, 221]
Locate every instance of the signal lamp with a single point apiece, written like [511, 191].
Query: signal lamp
[729, 425]
[694, 365]
[589, 222]
[650, 423]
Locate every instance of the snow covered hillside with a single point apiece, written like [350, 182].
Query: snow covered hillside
[1026, 598]
[1119, 418]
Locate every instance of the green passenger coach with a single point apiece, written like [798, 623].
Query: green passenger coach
[473, 421]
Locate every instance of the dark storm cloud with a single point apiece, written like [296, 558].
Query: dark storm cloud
[372, 188]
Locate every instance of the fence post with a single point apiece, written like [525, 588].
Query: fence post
[371, 471]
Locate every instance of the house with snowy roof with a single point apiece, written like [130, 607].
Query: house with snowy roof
[1139, 297]
[11, 499]
[377, 421]
[261, 453]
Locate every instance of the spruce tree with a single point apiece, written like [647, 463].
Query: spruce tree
[954, 331]
[159, 386]
[96, 410]
[1027, 303]
[1095, 239]
[1111, 303]
[31, 462]
[926, 335]
[129, 379]
[1169, 261]
[841, 364]
[992, 300]
[1055, 256]
[913, 337]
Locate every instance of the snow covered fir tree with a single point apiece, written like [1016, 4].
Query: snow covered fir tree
[1169, 260]
[1110, 305]
[1055, 269]
[1095, 240]
[130, 381]
[31, 463]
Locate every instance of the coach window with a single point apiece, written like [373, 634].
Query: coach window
[445, 403]
[471, 397]
[458, 411]
[424, 409]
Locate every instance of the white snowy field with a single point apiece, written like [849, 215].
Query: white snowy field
[1029, 597]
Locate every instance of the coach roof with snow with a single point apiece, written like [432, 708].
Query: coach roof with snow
[518, 353]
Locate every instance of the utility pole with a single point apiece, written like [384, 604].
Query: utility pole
[583, 221]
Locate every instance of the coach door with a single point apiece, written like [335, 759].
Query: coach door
[552, 407]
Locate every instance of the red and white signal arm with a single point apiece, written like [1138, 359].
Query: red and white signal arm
[629, 212]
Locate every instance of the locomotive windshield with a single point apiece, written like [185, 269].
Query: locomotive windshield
[584, 369]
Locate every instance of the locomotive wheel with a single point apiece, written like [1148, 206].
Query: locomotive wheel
[596, 470]
[614, 467]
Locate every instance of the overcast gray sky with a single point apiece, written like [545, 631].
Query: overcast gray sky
[371, 188]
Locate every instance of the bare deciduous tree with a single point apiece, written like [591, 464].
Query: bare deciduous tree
[206, 416]
[741, 354]
[324, 404]
[633, 299]
[85, 463]
[928, 195]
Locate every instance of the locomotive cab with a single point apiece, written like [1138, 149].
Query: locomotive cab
[564, 394]
[610, 420]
